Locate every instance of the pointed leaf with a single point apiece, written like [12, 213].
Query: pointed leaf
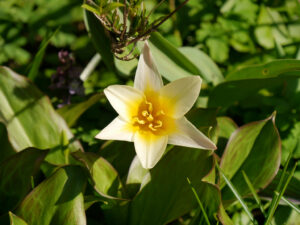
[15, 220]
[15, 176]
[26, 111]
[256, 149]
[57, 200]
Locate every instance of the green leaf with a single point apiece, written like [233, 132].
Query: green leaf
[15, 176]
[218, 49]
[72, 112]
[26, 111]
[57, 200]
[292, 192]
[6, 147]
[35, 66]
[167, 195]
[15, 220]
[226, 127]
[99, 39]
[171, 63]
[254, 148]
[268, 70]
[245, 83]
[111, 6]
[105, 178]
[209, 71]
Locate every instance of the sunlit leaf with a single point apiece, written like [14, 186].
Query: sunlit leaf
[256, 149]
[57, 200]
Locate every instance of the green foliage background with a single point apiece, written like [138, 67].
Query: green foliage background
[53, 170]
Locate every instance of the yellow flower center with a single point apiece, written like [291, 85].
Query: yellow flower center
[151, 117]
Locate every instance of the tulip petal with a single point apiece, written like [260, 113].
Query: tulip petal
[147, 77]
[124, 99]
[149, 148]
[188, 135]
[116, 130]
[182, 94]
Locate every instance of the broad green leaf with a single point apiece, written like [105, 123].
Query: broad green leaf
[245, 83]
[16, 173]
[15, 220]
[256, 149]
[26, 111]
[99, 39]
[167, 195]
[105, 178]
[268, 70]
[209, 71]
[171, 63]
[57, 200]
[6, 147]
[226, 126]
[223, 216]
[72, 112]
[119, 154]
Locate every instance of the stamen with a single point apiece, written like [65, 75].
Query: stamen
[145, 113]
[151, 127]
[136, 119]
[159, 124]
[150, 118]
[150, 106]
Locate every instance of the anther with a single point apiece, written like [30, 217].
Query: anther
[145, 113]
[151, 127]
[150, 118]
[150, 107]
[136, 119]
[159, 124]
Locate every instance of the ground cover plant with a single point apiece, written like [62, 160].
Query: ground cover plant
[81, 80]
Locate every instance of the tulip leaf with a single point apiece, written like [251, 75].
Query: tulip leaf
[246, 82]
[15, 176]
[209, 70]
[6, 147]
[256, 149]
[99, 39]
[168, 195]
[171, 63]
[26, 111]
[72, 112]
[106, 180]
[15, 220]
[57, 200]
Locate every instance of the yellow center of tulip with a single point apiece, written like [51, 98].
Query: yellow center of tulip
[151, 116]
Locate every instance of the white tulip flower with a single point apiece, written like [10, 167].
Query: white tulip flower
[152, 115]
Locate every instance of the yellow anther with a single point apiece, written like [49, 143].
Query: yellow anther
[159, 124]
[145, 113]
[136, 119]
[151, 127]
[150, 118]
[150, 106]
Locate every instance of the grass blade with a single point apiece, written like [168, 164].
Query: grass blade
[252, 189]
[90, 67]
[292, 205]
[278, 196]
[199, 202]
[34, 67]
[237, 195]
[275, 198]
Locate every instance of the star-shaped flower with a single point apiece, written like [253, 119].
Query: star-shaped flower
[152, 115]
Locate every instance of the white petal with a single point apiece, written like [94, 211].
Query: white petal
[116, 130]
[188, 135]
[149, 148]
[147, 76]
[182, 94]
[124, 99]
